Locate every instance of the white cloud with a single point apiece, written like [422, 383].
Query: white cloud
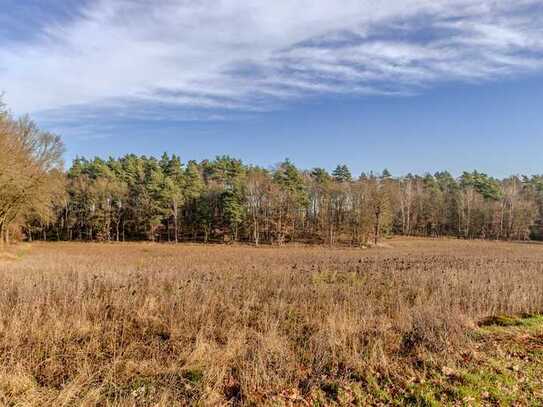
[251, 55]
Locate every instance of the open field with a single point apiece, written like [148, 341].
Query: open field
[143, 324]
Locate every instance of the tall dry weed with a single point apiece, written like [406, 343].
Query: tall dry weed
[139, 324]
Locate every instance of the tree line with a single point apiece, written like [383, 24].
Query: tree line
[144, 198]
[224, 200]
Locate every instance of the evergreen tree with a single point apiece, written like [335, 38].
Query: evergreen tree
[342, 174]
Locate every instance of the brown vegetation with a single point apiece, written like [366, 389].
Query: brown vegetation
[146, 324]
[31, 176]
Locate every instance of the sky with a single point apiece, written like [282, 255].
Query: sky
[410, 85]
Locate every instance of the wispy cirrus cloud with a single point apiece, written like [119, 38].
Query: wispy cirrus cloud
[205, 58]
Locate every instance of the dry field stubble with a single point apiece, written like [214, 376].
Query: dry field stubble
[143, 324]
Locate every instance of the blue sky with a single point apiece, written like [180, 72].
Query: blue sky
[411, 85]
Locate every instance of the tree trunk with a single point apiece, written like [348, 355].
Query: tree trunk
[377, 226]
[255, 231]
[176, 228]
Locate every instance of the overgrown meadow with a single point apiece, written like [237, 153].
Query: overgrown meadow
[147, 324]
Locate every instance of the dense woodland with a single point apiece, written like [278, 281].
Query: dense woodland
[164, 199]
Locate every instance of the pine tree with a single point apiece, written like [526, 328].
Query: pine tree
[342, 174]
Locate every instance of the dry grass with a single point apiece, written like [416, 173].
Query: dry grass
[142, 324]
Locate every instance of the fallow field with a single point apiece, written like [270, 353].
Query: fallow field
[413, 322]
